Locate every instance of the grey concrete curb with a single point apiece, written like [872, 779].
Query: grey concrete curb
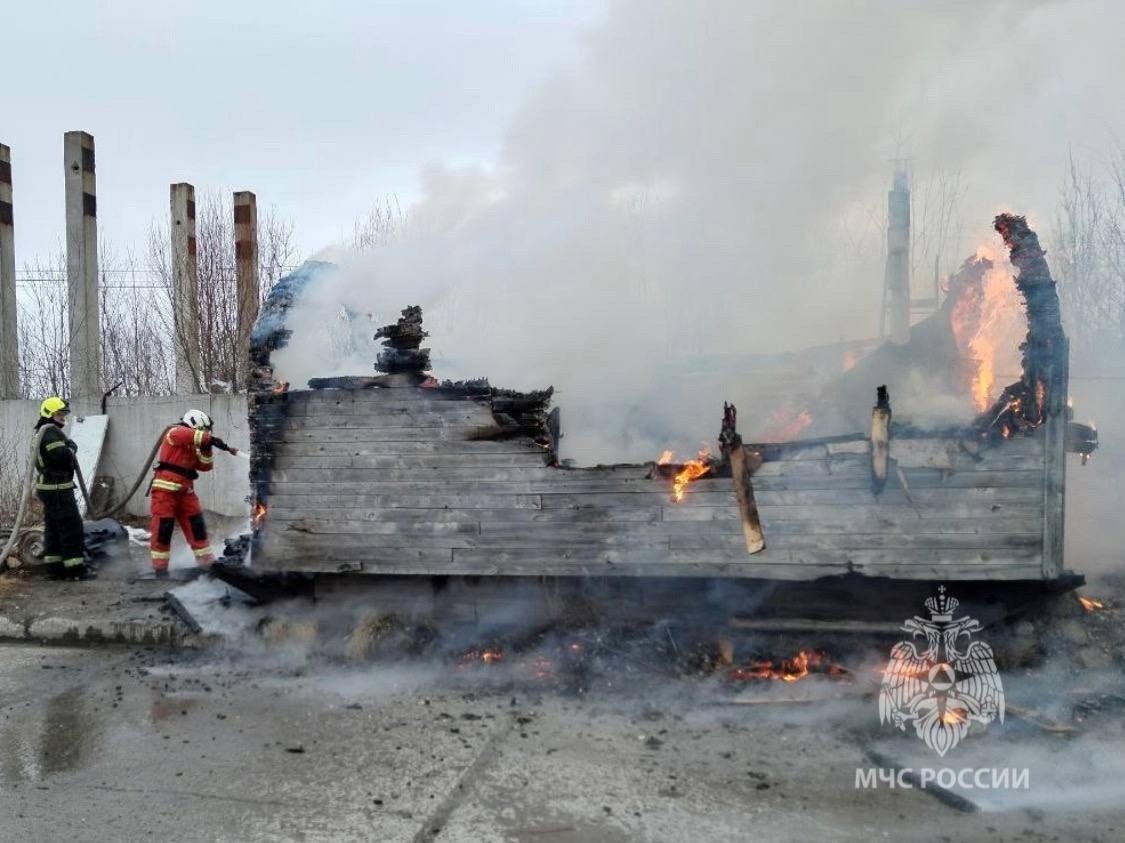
[57, 630]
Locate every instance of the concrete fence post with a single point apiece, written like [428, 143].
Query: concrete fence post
[185, 290]
[246, 270]
[9, 329]
[82, 266]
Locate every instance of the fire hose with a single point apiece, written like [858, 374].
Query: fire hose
[25, 494]
[29, 476]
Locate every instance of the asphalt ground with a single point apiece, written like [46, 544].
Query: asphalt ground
[127, 743]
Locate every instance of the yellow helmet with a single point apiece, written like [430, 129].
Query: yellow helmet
[53, 405]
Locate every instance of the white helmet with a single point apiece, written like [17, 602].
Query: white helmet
[197, 419]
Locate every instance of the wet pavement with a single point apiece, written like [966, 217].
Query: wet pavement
[122, 744]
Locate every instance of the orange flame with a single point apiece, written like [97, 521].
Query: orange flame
[790, 670]
[665, 457]
[784, 426]
[988, 323]
[1089, 604]
[259, 516]
[950, 717]
[281, 388]
[692, 470]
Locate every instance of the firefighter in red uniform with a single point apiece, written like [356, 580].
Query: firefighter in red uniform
[185, 452]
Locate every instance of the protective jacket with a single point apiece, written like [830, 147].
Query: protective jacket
[55, 459]
[184, 454]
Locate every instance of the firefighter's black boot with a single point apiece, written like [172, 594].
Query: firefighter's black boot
[81, 572]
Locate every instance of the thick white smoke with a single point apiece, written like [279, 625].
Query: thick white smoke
[711, 180]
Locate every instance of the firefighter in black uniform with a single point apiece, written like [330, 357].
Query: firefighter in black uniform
[55, 460]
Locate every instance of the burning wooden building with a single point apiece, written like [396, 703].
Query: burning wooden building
[399, 476]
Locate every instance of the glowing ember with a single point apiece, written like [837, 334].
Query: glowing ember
[542, 668]
[789, 670]
[489, 655]
[988, 323]
[1089, 604]
[950, 717]
[692, 470]
[259, 516]
[281, 388]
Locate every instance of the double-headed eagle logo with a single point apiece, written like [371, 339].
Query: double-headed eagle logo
[941, 689]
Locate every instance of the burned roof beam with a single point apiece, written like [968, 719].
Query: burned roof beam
[1041, 391]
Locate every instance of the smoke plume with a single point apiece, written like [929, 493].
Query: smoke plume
[709, 183]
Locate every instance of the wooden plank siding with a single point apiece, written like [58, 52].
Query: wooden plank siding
[393, 481]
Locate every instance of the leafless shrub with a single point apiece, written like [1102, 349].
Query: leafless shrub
[13, 454]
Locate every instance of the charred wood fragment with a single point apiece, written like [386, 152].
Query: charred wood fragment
[357, 382]
[181, 611]
[396, 361]
[880, 439]
[262, 587]
[730, 442]
[519, 415]
[1081, 439]
[476, 386]
[402, 352]
[554, 430]
[406, 333]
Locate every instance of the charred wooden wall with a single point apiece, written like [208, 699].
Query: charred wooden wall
[400, 481]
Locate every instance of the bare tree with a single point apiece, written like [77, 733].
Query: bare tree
[43, 332]
[136, 352]
[220, 365]
[1089, 247]
[383, 224]
[937, 225]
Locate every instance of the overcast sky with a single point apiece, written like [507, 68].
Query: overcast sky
[320, 108]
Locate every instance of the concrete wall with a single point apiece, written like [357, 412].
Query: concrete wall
[134, 424]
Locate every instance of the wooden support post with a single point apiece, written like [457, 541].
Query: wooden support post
[1054, 468]
[9, 337]
[880, 440]
[731, 444]
[185, 289]
[554, 429]
[246, 273]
